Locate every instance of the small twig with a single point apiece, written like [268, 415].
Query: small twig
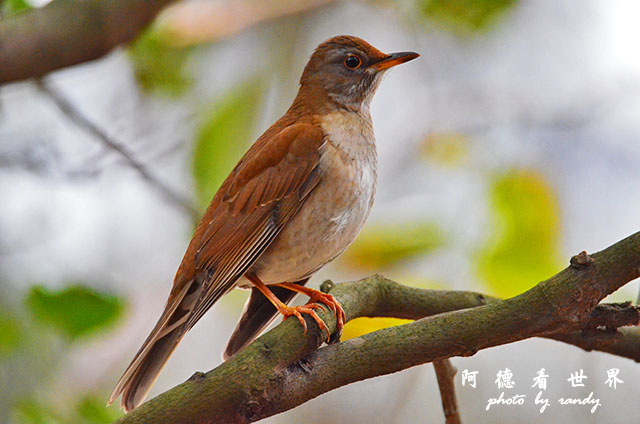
[445, 373]
[77, 117]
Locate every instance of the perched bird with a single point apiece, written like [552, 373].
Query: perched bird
[293, 203]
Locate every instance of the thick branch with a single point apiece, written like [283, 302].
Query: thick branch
[68, 32]
[268, 377]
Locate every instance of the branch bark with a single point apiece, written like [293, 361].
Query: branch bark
[284, 368]
[445, 374]
[35, 43]
[69, 32]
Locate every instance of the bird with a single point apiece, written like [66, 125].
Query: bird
[294, 202]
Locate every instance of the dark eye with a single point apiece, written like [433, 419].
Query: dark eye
[352, 62]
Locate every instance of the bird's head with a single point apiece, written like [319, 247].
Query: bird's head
[348, 70]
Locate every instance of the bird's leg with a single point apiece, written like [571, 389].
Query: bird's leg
[317, 296]
[287, 310]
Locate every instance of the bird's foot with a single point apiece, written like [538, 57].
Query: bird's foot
[308, 309]
[316, 296]
[333, 304]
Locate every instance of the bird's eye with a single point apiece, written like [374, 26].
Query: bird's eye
[352, 62]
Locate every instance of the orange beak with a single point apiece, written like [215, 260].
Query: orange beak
[394, 59]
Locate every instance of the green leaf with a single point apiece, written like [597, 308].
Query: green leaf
[10, 334]
[12, 7]
[526, 231]
[465, 15]
[223, 137]
[383, 244]
[160, 66]
[92, 409]
[30, 411]
[75, 311]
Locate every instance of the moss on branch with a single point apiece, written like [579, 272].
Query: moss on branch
[284, 368]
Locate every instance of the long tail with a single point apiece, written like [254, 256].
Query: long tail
[142, 372]
[257, 314]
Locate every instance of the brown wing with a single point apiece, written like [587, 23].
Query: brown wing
[259, 197]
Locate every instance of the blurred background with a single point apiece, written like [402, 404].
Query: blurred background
[510, 145]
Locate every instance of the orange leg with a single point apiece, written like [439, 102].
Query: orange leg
[287, 310]
[317, 296]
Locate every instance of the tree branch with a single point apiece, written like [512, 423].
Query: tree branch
[445, 373]
[68, 32]
[284, 368]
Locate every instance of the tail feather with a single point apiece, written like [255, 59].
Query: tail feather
[257, 314]
[142, 372]
[145, 374]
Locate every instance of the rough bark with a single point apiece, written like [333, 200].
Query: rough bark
[284, 368]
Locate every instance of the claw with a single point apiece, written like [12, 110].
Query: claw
[333, 304]
[299, 316]
[309, 309]
[315, 298]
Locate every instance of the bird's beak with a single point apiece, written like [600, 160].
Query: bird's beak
[394, 59]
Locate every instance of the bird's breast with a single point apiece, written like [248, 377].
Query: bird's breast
[335, 211]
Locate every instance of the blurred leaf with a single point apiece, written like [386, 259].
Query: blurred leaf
[30, 411]
[158, 65]
[223, 137]
[379, 245]
[360, 326]
[10, 334]
[92, 410]
[11, 7]
[526, 229]
[76, 311]
[468, 15]
[446, 148]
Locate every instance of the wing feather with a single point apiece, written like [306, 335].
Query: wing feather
[263, 192]
[254, 214]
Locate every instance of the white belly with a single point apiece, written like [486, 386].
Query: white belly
[332, 215]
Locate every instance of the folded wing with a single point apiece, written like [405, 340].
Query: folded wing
[263, 192]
